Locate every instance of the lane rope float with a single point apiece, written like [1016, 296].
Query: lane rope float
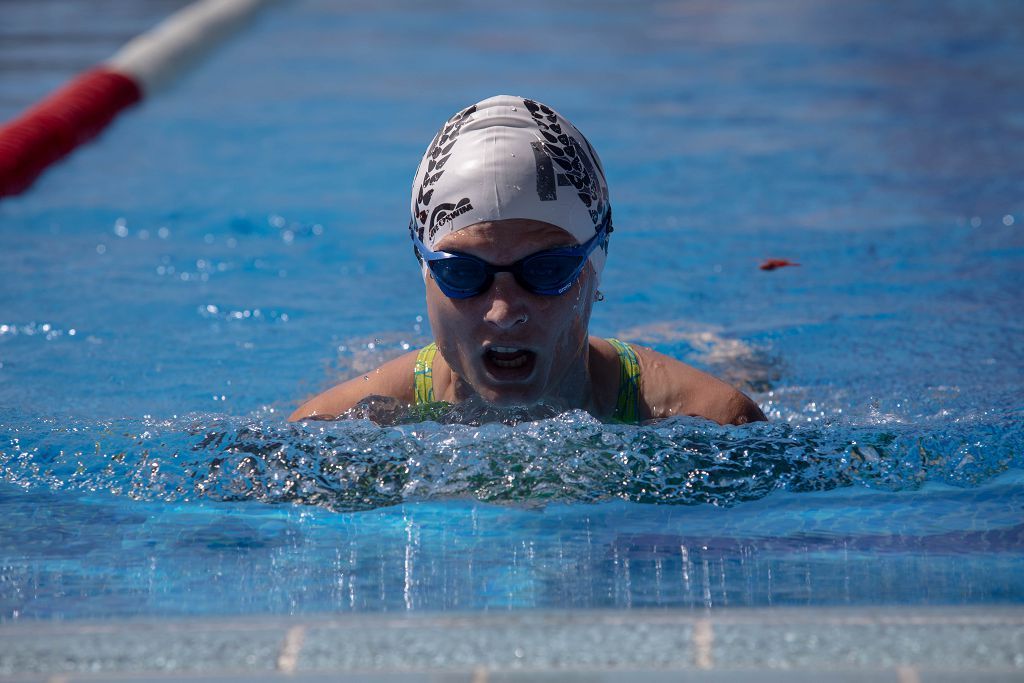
[78, 111]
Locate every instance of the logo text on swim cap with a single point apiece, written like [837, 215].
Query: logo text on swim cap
[445, 213]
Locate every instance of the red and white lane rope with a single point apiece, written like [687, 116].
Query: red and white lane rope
[86, 105]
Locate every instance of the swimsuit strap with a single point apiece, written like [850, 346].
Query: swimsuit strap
[423, 375]
[627, 404]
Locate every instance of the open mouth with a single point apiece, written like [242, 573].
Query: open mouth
[509, 363]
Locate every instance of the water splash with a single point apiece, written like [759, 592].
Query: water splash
[354, 464]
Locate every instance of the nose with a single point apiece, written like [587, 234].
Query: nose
[507, 304]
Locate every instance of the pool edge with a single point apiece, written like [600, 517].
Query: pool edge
[908, 643]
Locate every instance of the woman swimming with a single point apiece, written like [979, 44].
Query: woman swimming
[511, 224]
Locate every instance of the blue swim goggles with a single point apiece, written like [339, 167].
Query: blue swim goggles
[550, 272]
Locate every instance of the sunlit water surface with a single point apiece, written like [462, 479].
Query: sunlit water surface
[236, 244]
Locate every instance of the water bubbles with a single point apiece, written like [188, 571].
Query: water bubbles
[353, 464]
[143, 234]
[163, 233]
[276, 221]
[47, 331]
[976, 221]
[1008, 220]
[101, 249]
[208, 238]
[121, 227]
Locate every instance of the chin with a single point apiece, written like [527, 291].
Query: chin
[509, 397]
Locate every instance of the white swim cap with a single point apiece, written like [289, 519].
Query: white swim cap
[510, 157]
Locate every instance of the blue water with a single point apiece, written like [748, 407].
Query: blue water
[237, 243]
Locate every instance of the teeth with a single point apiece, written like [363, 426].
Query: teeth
[516, 363]
[514, 356]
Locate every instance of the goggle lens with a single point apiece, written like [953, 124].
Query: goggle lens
[461, 274]
[548, 271]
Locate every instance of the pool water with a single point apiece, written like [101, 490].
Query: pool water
[232, 246]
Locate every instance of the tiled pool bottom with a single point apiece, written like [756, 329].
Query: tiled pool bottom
[791, 644]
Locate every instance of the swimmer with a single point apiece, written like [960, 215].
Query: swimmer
[511, 225]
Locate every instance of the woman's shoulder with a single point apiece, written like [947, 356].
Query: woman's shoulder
[393, 379]
[605, 374]
[671, 387]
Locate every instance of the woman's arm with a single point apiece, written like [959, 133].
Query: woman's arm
[393, 379]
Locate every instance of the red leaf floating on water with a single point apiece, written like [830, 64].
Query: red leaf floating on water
[773, 263]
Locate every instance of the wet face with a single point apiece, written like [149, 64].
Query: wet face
[507, 345]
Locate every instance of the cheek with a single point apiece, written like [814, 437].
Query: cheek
[572, 315]
[439, 313]
[450, 322]
[584, 299]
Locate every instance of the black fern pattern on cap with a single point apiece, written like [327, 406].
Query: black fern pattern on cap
[437, 156]
[578, 167]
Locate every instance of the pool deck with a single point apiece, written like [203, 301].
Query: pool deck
[903, 645]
